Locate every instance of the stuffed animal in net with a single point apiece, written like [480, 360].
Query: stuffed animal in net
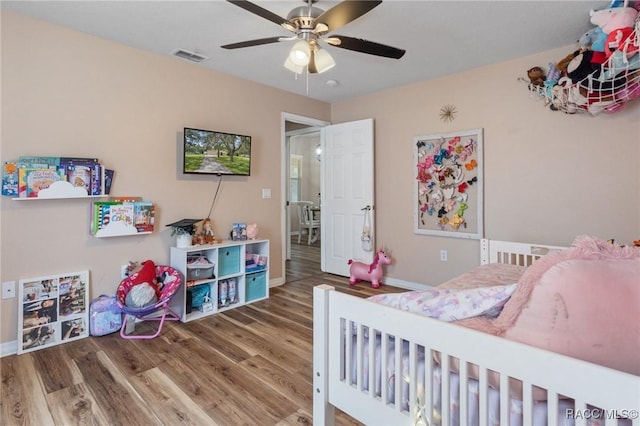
[536, 76]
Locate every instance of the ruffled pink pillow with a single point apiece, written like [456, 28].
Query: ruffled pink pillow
[586, 309]
[583, 302]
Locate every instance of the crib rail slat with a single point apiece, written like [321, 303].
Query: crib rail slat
[397, 377]
[445, 383]
[483, 385]
[464, 395]
[429, 384]
[372, 360]
[413, 378]
[360, 357]
[504, 400]
[527, 403]
[384, 356]
[552, 408]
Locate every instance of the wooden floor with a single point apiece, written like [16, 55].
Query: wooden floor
[248, 366]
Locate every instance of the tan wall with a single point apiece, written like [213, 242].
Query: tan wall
[70, 94]
[548, 176]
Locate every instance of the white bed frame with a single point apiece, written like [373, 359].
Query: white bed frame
[589, 385]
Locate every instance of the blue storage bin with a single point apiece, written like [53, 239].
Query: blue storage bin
[228, 261]
[256, 286]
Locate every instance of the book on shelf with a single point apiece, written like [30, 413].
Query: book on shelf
[10, 179]
[108, 180]
[38, 162]
[32, 180]
[122, 213]
[144, 216]
[101, 215]
[83, 171]
[79, 176]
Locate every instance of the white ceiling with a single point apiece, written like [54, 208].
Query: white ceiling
[440, 37]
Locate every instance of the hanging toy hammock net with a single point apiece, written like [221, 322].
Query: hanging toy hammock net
[601, 77]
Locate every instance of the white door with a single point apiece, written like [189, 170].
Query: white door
[347, 189]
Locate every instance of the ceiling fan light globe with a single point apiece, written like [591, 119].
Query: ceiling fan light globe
[324, 61]
[288, 64]
[300, 53]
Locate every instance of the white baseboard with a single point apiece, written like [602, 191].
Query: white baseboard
[276, 282]
[406, 284]
[8, 348]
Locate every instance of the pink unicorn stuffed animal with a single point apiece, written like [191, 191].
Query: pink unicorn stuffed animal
[373, 273]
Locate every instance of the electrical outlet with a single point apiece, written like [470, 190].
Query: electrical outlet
[8, 289]
[443, 255]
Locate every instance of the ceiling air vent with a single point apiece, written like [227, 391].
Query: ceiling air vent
[189, 56]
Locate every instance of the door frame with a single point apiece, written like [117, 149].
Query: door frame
[284, 173]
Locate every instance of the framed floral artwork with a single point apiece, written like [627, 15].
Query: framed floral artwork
[53, 309]
[448, 185]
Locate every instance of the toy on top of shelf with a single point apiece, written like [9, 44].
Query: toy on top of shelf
[207, 232]
[252, 231]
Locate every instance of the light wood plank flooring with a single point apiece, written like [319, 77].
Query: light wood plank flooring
[248, 366]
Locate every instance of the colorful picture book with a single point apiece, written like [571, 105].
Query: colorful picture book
[32, 180]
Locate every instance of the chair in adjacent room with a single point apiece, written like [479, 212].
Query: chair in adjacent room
[307, 221]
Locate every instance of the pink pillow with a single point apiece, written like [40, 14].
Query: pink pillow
[587, 309]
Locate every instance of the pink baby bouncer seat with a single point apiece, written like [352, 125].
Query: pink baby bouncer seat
[168, 280]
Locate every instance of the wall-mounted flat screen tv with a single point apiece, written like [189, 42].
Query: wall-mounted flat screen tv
[207, 152]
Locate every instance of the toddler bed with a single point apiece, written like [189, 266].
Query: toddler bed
[562, 350]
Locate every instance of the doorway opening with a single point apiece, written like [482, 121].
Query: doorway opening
[301, 182]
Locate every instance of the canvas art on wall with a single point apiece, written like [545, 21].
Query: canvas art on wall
[448, 185]
[53, 309]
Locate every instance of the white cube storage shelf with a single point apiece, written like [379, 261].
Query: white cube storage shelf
[232, 263]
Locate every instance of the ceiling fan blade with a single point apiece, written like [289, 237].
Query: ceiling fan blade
[256, 42]
[257, 10]
[366, 46]
[345, 12]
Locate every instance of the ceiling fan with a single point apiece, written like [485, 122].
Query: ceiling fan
[310, 25]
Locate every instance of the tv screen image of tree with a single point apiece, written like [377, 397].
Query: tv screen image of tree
[210, 152]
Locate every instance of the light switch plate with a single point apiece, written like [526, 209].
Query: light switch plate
[266, 192]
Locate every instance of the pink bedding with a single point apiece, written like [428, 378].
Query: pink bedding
[485, 276]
